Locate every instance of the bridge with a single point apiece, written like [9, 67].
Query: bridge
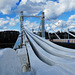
[45, 56]
[39, 56]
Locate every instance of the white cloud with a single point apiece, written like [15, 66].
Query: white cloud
[3, 21]
[6, 10]
[71, 22]
[28, 25]
[13, 21]
[48, 28]
[49, 9]
[63, 25]
[31, 6]
[71, 19]
[46, 25]
[23, 2]
[17, 20]
[7, 17]
[53, 10]
[4, 27]
[71, 27]
[59, 24]
[7, 5]
[38, 1]
[7, 22]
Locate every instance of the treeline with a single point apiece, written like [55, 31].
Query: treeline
[8, 38]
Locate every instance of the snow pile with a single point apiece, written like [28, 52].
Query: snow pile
[9, 62]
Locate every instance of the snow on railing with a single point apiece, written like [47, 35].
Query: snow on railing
[51, 50]
[39, 45]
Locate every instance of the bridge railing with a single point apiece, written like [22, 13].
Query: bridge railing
[53, 45]
[39, 44]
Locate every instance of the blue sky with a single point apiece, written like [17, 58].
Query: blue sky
[59, 12]
[66, 15]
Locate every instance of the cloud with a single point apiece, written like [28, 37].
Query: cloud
[30, 7]
[72, 17]
[13, 21]
[28, 25]
[7, 5]
[57, 25]
[71, 22]
[38, 1]
[61, 25]
[3, 21]
[48, 28]
[53, 9]
[4, 27]
[8, 22]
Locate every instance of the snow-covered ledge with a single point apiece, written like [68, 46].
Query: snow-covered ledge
[9, 62]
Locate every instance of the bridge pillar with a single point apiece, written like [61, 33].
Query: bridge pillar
[21, 26]
[43, 27]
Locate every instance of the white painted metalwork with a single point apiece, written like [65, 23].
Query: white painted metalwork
[71, 34]
[54, 32]
[42, 21]
[40, 45]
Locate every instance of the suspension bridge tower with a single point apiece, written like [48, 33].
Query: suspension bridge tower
[42, 22]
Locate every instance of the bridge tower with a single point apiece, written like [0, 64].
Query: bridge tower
[42, 22]
[21, 26]
[43, 26]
